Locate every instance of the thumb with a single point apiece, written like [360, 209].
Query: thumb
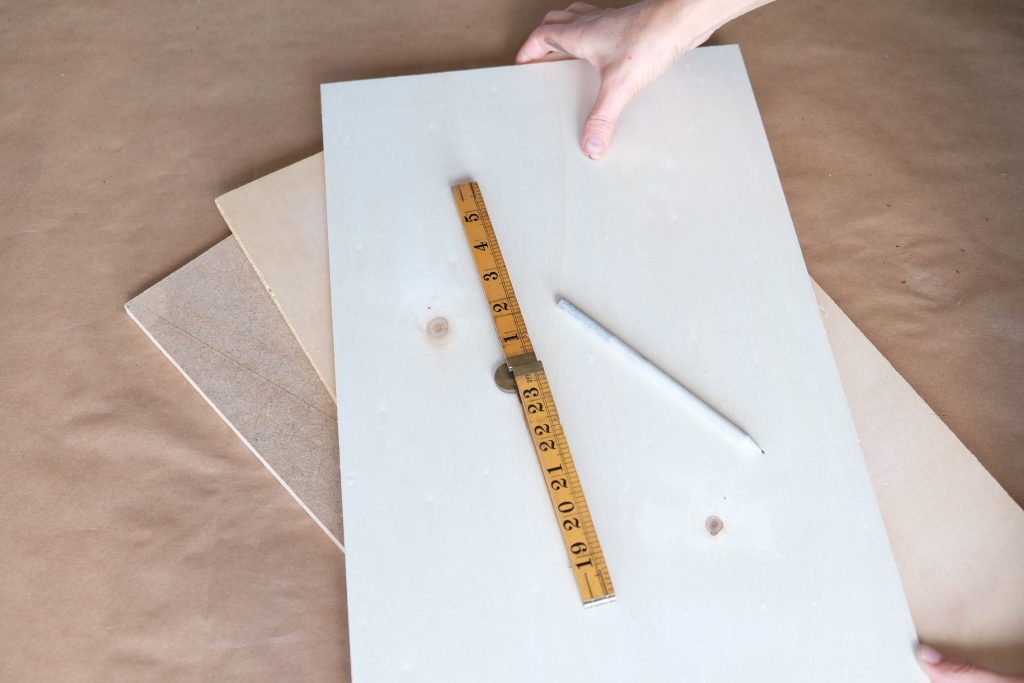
[942, 670]
[612, 98]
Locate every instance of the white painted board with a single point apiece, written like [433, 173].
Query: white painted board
[681, 242]
[937, 501]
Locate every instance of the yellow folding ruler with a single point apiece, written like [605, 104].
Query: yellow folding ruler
[531, 384]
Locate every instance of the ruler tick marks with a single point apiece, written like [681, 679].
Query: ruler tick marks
[549, 443]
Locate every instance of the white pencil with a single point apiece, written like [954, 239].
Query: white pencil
[726, 426]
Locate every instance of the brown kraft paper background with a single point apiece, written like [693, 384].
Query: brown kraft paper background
[140, 540]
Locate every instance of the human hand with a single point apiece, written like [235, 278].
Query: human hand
[629, 47]
[942, 670]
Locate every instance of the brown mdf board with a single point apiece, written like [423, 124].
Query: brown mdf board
[957, 537]
[215, 322]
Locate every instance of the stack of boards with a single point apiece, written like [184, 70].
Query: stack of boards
[682, 243]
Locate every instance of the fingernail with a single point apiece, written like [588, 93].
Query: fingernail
[593, 147]
[929, 655]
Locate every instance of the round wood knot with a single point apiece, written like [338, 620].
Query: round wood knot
[438, 327]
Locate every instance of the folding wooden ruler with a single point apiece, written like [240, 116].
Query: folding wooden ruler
[531, 384]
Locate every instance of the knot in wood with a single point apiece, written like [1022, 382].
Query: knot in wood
[438, 327]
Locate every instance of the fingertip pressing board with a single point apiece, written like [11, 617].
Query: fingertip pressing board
[216, 323]
[681, 243]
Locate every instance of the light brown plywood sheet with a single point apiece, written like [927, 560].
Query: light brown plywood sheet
[280, 225]
[215, 322]
[957, 537]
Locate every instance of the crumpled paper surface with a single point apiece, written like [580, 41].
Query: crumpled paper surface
[142, 541]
